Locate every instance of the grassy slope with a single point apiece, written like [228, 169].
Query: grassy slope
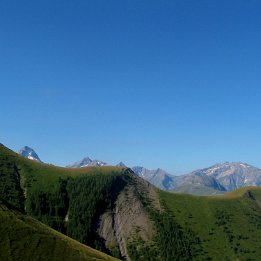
[229, 226]
[24, 238]
[35, 177]
[197, 190]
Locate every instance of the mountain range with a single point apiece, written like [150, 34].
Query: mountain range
[56, 213]
[158, 177]
[215, 179]
[86, 162]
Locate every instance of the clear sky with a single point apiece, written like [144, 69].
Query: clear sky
[170, 84]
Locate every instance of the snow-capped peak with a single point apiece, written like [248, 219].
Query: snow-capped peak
[86, 162]
[29, 153]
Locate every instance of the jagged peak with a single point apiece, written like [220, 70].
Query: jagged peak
[29, 153]
[85, 162]
[121, 164]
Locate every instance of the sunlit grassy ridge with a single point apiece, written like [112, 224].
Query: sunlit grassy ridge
[229, 226]
[34, 175]
[239, 193]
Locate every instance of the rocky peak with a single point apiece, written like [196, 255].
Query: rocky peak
[29, 153]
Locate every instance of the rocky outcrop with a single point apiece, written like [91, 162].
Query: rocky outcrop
[128, 215]
[250, 195]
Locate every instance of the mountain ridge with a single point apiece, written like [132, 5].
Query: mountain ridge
[85, 162]
[216, 179]
[118, 212]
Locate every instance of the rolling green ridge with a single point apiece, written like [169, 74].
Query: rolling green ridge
[198, 190]
[112, 210]
[228, 227]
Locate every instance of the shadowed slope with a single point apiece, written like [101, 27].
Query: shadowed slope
[24, 238]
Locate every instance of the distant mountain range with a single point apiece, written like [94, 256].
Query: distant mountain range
[157, 177]
[216, 179]
[86, 162]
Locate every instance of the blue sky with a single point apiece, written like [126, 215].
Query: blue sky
[169, 84]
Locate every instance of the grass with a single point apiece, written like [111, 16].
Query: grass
[49, 194]
[24, 238]
[198, 190]
[229, 226]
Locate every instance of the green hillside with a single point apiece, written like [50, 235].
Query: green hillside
[68, 200]
[24, 238]
[198, 190]
[228, 227]
[112, 210]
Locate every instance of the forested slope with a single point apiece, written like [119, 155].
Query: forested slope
[24, 238]
[87, 204]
